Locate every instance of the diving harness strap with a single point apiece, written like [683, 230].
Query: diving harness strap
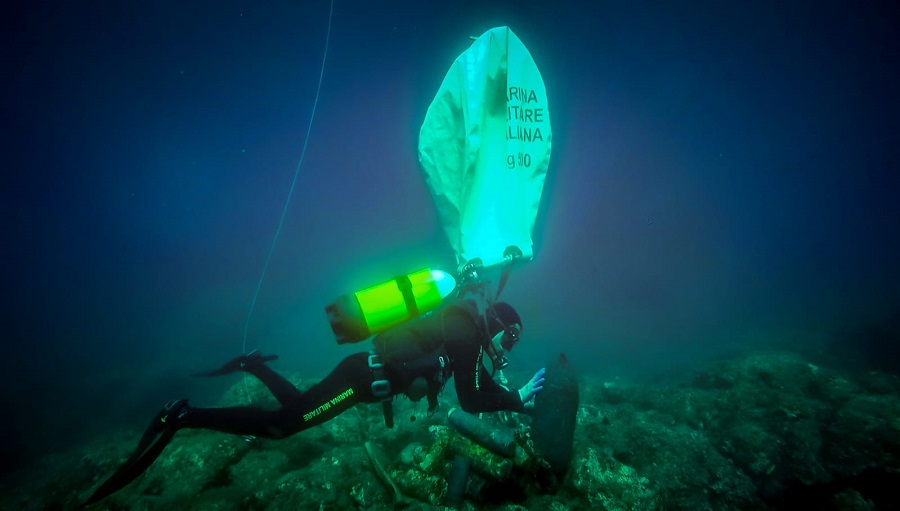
[381, 387]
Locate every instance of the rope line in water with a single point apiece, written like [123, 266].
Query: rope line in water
[290, 193]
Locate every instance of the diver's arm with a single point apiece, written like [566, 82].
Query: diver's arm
[482, 393]
[476, 391]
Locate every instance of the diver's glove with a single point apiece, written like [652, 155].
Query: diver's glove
[531, 388]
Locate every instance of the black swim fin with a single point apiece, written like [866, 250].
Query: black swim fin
[238, 364]
[155, 439]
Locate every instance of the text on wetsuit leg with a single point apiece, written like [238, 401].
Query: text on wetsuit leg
[328, 404]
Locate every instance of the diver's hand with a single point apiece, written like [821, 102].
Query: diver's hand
[531, 388]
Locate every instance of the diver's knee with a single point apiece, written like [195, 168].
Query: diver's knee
[289, 422]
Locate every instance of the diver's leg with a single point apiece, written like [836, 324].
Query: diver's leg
[244, 420]
[283, 390]
[349, 383]
[238, 363]
[255, 364]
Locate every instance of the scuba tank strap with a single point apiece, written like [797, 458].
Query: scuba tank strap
[381, 387]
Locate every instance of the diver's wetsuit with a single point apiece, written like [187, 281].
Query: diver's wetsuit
[430, 349]
[455, 330]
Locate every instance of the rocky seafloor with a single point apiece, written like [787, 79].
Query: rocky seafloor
[759, 431]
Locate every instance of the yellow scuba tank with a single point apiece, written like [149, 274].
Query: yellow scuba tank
[359, 315]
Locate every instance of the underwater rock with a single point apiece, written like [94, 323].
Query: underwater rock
[752, 431]
[249, 390]
[339, 480]
[609, 485]
[851, 500]
[410, 452]
[193, 462]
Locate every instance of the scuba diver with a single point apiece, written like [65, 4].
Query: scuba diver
[415, 358]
